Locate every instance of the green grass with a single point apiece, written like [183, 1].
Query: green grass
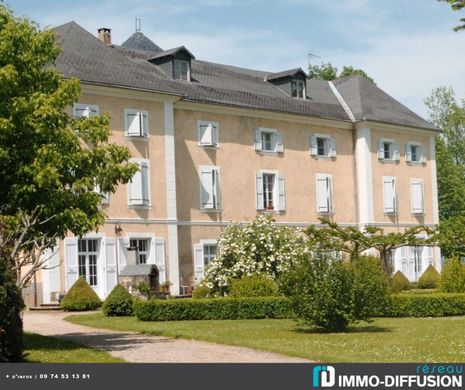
[42, 349]
[384, 340]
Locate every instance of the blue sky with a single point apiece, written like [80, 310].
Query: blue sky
[407, 46]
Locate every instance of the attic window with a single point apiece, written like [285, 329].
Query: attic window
[181, 70]
[297, 89]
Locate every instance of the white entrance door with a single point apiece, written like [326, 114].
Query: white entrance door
[88, 251]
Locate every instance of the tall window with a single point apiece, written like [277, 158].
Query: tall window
[181, 70]
[268, 190]
[267, 141]
[87, 260]
[298, 89]
[141, 246]
[417, 259]
[209, 252]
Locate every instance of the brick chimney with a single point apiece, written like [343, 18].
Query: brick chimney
[104, 34]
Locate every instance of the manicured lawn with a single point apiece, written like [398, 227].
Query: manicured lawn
[42, 349]
[384, 340]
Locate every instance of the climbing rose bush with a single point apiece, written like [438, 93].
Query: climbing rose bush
[260, 247]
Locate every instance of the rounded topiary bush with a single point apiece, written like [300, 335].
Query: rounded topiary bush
[253, 286]
[453, 276]
[430, 278]
[11, 325]
[399, 282]
[201, 292]
[119, 302]
[80, 297]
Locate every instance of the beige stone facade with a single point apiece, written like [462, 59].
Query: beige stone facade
[177, 230]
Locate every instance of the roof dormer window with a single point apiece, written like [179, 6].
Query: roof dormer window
[181, 70]
[298, 89]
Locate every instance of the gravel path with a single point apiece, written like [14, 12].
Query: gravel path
[139, 348]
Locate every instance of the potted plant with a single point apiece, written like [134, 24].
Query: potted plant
[165, 287]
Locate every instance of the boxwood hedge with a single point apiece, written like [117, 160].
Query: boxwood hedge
[401, 305]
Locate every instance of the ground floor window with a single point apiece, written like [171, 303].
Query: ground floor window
[141, 246]
[87, 259]
[209, 252]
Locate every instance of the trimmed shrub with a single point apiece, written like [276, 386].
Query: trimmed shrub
[201, 292]
[212, 309]
[253, 286]
[80, 297]
[11, 324]
[425, 305]
[430, 278]
[452, 276]
[118, 303]
[399, 282]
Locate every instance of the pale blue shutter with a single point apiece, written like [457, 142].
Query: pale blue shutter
[259, 190]
[144, 124]
[380, 149]
[396, 154]
[422, 154]
[279, 143]
[206, 184]
[313, 146]
[258, 139]
[281, 192]
[217, 188]
[408, 152]
[332, 147]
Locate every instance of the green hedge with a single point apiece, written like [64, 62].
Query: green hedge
[426, 305]
[80, 297]
[212, 309]
[119, 302]
[401, 305]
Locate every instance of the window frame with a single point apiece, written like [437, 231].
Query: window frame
[279, 194]
[207, 243]
[408, 151]
[148, 243]
[295, 83]
[143, 133]
[329, 146]
[277, 141]
[90, 278]
[93, 107]
[393, 148]
[215, 143]
[188, 73]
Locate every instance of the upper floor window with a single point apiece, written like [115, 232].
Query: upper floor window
[388, 150]
[210, 197]
[104, 194]
[141, 246]
[268, 140]
[298, 89]
[414, 153]
[324, 194]
[322, 145]
[139, 186]
[181, 70]
[270, 191]
[85, 110]
[208, 133]
[136, 123]
[390, 195]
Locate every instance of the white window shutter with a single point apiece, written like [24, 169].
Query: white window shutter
[110, 264]
[403, 252]
[332, 147]
[329, 193]
[71, 261]
[217, 188]
[158, 247]
[123, 251]
[259, 190]
[135, 188]
[206, 134]
[206, 184]
[313, 146]
[408, 152]
[322, 194]
[133, 124]
[258, 139]
[199, 262]
[429, 255]
[380, 149]
[279, 143]
[416, 193]
[396, 154]
[422, 154]
[145, 182]
[281, 193]
[144, 124]
[389, 194]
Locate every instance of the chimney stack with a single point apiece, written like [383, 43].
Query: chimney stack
[104, 34]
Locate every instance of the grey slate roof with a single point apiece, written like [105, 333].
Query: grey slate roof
[171, 52]
[285, 73]
[85, 57]
[138, 270]
[140, 41]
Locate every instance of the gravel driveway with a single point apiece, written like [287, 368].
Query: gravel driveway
[139, 348]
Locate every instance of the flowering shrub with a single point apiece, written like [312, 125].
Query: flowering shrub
[244, 250]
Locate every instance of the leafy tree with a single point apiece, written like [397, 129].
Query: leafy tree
[353, 241]
[50, 163]
[326, 71]
[457, 5]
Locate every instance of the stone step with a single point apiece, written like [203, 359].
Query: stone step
[45, 308]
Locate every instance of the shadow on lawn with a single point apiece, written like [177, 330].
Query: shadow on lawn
[358, 329]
